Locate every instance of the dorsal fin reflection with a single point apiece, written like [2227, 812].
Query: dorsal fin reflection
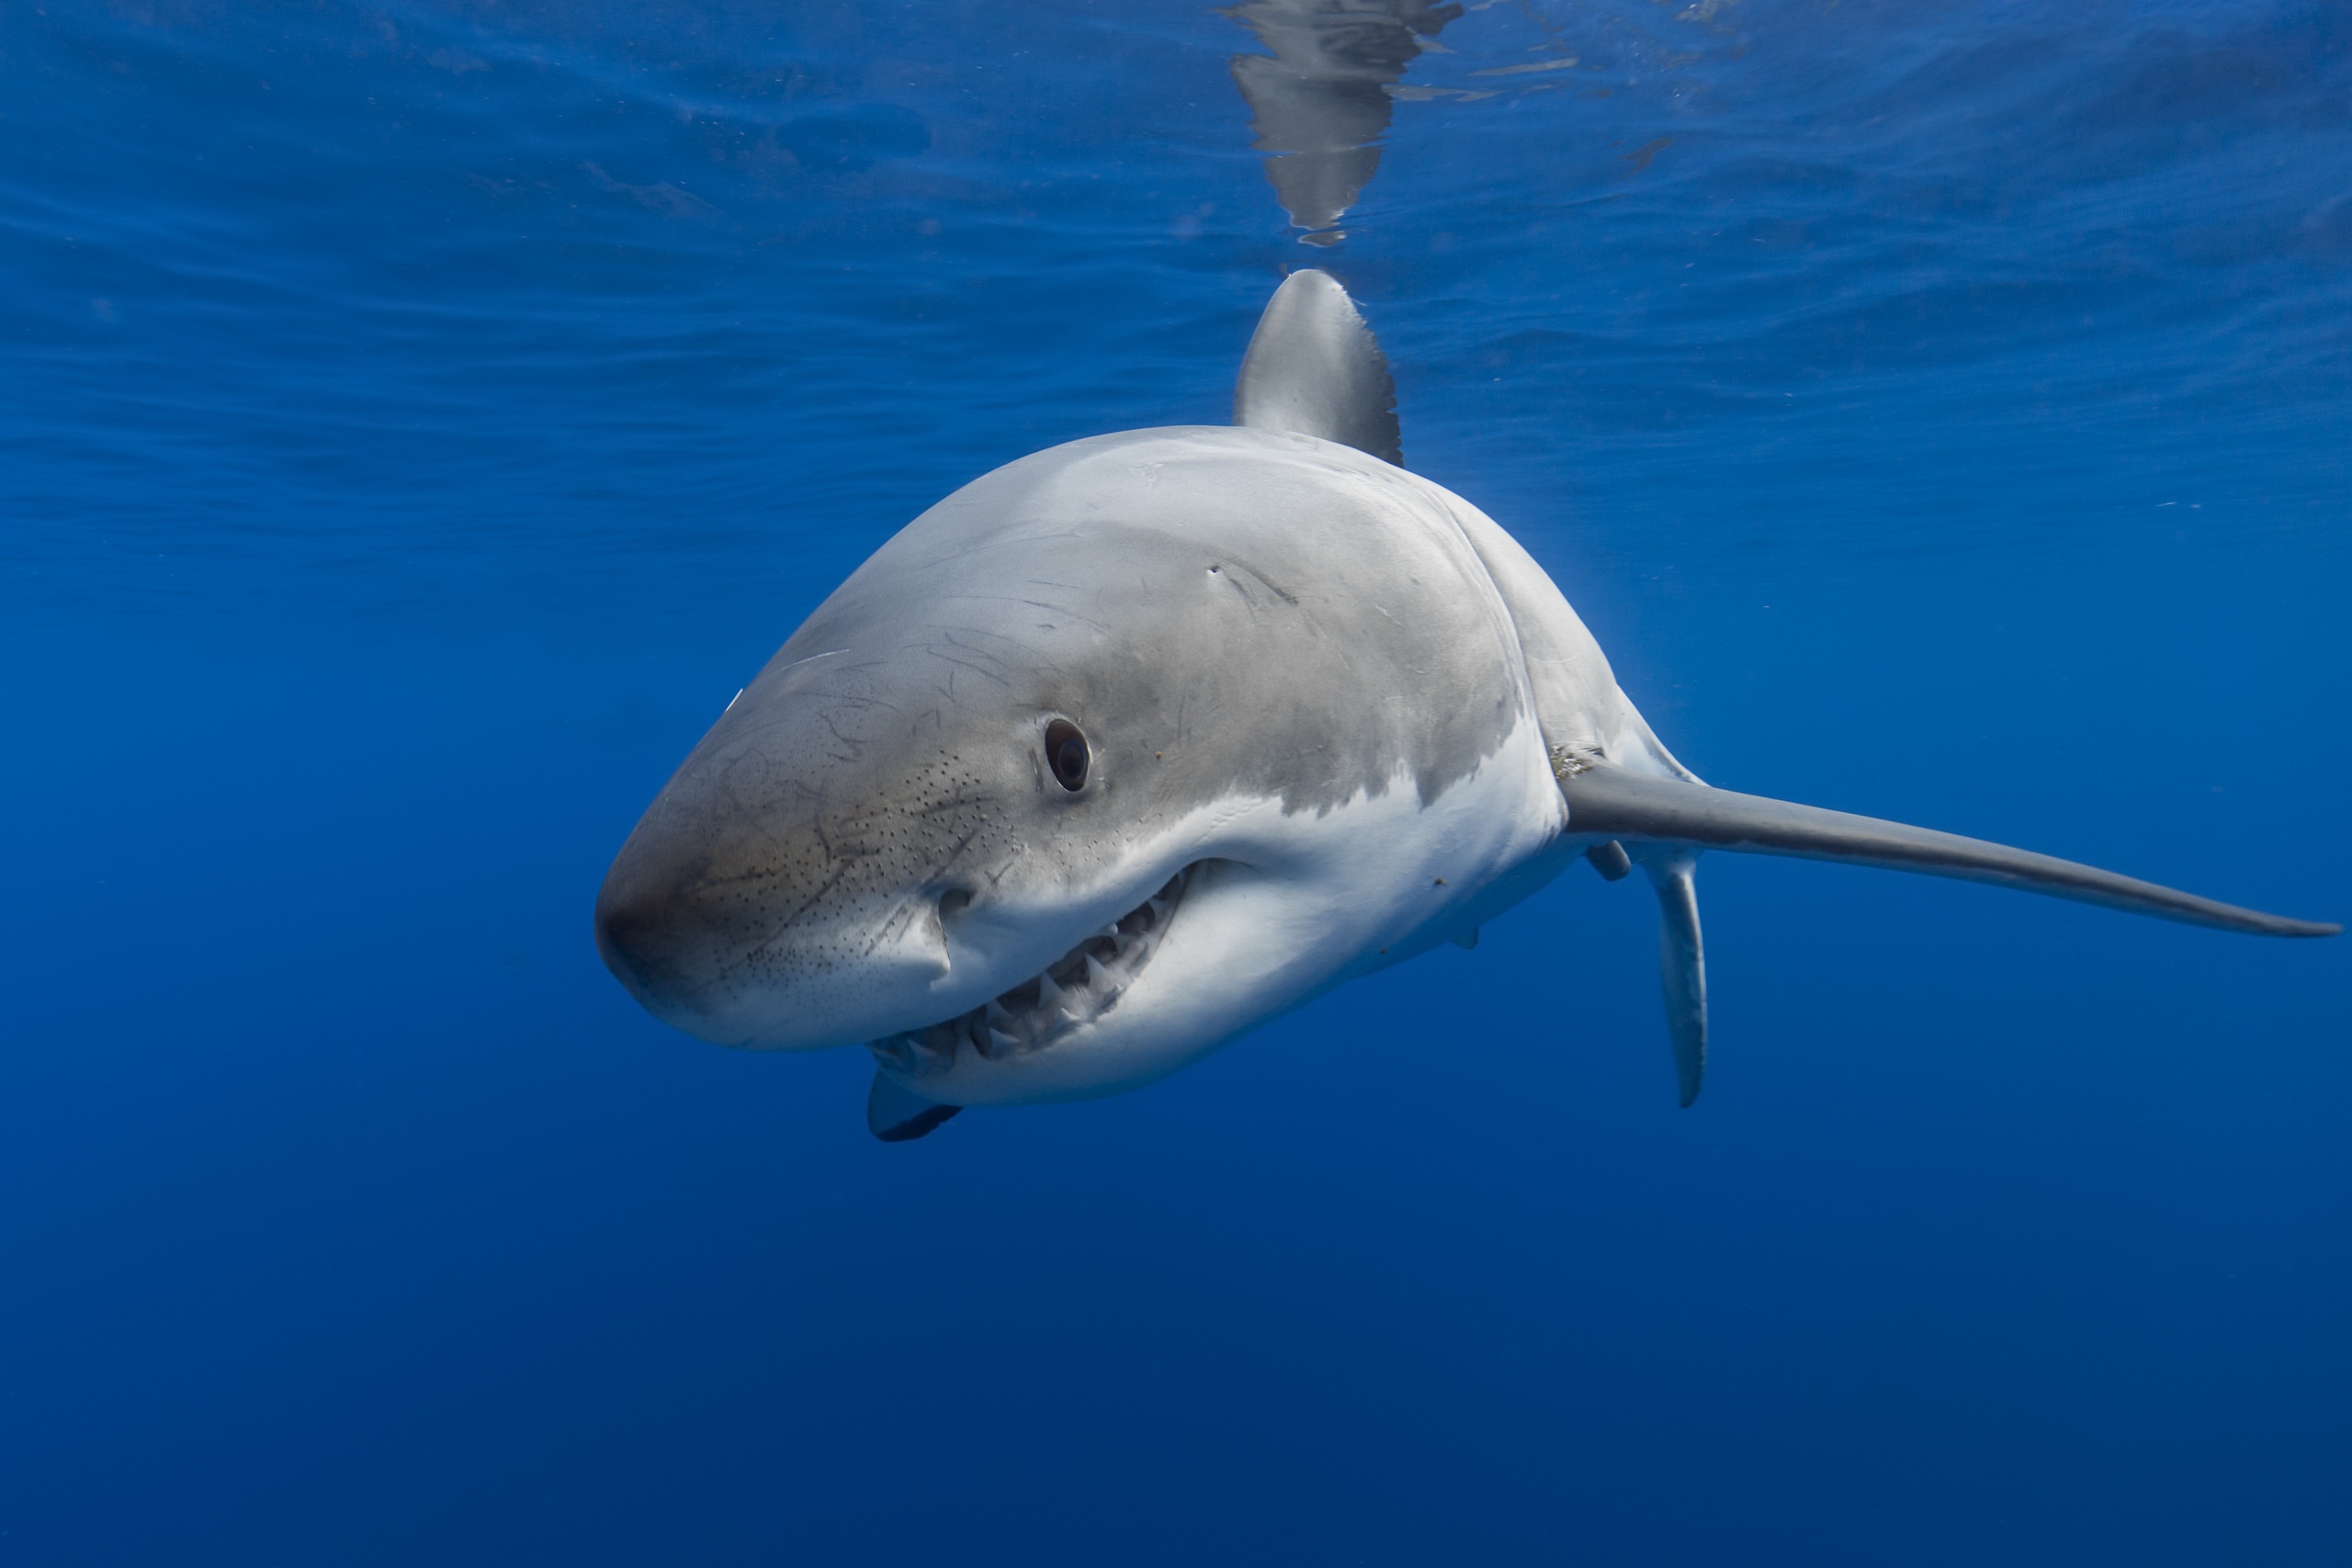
[1320, 104]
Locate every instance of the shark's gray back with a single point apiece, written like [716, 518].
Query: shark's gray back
[1228, 611]
[1314, 368]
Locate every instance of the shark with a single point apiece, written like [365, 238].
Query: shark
[1140, 741]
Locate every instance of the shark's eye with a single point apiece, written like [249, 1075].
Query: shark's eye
[1065, 754]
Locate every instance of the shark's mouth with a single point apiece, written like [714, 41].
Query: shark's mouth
[1078, 987]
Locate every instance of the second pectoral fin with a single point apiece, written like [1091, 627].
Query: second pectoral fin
[1681, 964]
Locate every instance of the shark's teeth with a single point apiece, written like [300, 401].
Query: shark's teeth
[1079, 986]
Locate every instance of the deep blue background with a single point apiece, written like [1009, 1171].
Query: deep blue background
[419, 419]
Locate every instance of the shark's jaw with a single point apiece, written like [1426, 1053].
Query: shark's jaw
[1078, 988]
[1268, 909]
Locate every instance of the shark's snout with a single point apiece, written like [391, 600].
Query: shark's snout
[643, 932]
[734, 937]
[671, 932]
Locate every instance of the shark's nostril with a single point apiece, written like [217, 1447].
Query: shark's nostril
[950, 903]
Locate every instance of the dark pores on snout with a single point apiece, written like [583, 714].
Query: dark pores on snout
[813, 840]
[874, 783]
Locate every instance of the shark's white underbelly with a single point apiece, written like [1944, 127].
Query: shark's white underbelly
[1292, 903]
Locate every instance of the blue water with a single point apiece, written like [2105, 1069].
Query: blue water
[420, 419]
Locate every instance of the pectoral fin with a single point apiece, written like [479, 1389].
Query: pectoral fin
[1641, 808]
[1681, 964]
[896, 1114]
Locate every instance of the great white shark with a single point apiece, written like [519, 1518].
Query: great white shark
[1136, 743]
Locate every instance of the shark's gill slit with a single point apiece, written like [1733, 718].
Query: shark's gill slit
[1078, 987]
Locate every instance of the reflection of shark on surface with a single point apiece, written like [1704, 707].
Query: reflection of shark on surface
[1140, 741]
[1320, 103]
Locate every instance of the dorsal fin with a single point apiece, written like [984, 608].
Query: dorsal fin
[1314, 369]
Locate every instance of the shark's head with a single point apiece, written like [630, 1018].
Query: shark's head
[1069, 784]
[941, 850]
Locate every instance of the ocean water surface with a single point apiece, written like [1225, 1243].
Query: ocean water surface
[418, 419]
